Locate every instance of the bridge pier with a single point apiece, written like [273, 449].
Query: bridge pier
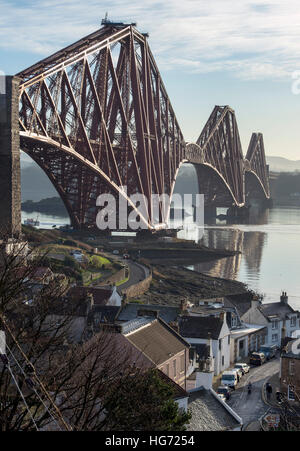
[238, 212]
[10, 173]
[210, 212]
[259, 203]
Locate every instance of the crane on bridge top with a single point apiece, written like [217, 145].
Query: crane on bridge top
[110, 23]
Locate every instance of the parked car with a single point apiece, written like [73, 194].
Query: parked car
[243, 366]
[269, 351]
[229, 378]
[116, 252]
[225, 391]
[126, 256]
[222, 397]
[257, 358]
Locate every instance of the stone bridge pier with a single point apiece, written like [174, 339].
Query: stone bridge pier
[10, 175]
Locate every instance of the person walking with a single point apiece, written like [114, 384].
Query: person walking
[269, 390]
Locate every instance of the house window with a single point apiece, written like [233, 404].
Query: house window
[293, 321]
[168, 369]
[274, 337]
[233, 321]
[174, 367]
[291, 393]
[220, 344]
[291, 368]
[229, 339]
[222, 360]
[275, 324]
[182, 363]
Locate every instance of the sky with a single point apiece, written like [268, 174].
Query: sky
[241, 53]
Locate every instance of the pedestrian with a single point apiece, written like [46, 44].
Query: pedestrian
[278, 396]
[269, 390]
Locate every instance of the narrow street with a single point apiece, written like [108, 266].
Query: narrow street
[252, 407]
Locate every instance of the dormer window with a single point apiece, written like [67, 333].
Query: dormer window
[293, 321]
[275, 324]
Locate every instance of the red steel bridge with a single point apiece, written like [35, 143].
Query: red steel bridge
[96, 117]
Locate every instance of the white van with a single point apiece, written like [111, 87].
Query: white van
[229, 378]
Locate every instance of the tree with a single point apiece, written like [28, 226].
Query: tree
[144, 402]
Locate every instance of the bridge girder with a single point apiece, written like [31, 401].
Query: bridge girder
[255, 164]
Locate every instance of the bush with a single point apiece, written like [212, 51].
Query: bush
[70, 261]
[70, 243]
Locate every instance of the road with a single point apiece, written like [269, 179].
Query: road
[252, 407]
[137, 273]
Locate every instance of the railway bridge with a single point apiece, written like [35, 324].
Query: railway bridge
[96, 117]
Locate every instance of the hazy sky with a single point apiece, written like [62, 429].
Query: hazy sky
[238, 52]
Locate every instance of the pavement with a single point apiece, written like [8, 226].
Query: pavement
[270, 400]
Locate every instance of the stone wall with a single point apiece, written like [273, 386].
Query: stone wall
[139, 288]
[10, 175]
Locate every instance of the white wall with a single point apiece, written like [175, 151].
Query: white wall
[115, 298]
[182, 403]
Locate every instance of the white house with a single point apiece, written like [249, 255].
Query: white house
[209, 330]
[280, 319]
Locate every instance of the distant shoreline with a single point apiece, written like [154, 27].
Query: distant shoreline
[51, 206]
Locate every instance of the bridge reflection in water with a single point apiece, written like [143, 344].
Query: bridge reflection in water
[249, 244]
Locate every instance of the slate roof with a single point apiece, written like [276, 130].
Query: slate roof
[208, 414]
[278, 309]
[200, 326]
[100, 295]
[157, 340]
[165, 312]
[104, 313]
[241, 301]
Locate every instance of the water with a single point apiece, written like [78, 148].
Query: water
[46, 221]
[270, 252]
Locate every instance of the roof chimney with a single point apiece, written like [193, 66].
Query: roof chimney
[284, 298]
[255, 301]
[223, 316]
[183, 305]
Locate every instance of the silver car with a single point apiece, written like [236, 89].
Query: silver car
[243, 366]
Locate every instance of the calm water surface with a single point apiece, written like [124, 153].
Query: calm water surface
[270, 252]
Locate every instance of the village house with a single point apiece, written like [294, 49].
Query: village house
[106, 295]
[163, 346]
[244, 338]
[210, 330]
[275, 316]
[88, 308]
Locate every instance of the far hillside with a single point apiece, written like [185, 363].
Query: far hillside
[280, 164]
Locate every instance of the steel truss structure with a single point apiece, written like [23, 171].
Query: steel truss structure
[96, 118]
